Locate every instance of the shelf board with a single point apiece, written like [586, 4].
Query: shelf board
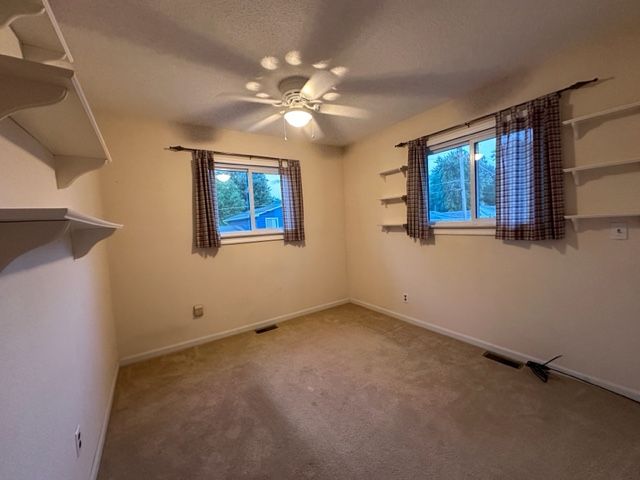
[394, 198]
[63, 123]
[575, 219]
[388, 226]
[575, 171]
[392, 171]
[575, 122]
[23, 229]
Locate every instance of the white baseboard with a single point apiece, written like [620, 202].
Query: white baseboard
[625, 391]
[97, 456]
[138, 357]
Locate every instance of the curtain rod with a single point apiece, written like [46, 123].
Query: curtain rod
[180, 148]
[575, 86]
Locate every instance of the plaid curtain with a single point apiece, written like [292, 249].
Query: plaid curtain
[205, 211]
[529, 181]
[417, 190]
[292, 205]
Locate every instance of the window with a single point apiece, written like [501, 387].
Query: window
[249, 200]
[462, 176]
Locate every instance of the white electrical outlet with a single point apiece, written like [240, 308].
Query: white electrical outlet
[198, 311]
[618, 231]
[78, 437]
[405, 298]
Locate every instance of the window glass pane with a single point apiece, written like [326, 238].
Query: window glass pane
[449, 185]
[267, 199]
[485, 156]
[232, 192]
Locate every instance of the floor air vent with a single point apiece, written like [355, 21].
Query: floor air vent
[503, 360]
[266, 329]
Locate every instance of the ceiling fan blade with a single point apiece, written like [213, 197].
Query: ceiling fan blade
[246, 98]
[343, 111]
[320, 83]
[263, 123]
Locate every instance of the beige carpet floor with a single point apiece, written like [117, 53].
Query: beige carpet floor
[352, 394]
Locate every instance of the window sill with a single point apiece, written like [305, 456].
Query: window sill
[251, 238]
[475, 230]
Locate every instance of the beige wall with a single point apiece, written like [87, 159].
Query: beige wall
[156, 278]
[579, 297]
[57, 342]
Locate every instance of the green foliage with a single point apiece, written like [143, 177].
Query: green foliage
[233, 195]
[261, 191]
[446, 185]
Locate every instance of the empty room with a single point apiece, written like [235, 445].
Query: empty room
[319, 239]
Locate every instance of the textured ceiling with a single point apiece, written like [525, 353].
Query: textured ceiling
[175, 60]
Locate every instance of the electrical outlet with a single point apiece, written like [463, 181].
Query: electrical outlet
[618, 231]
[405, 298]
[198, 311]
[78, 437]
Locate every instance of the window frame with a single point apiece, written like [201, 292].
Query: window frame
[470, 139]
[254, 166]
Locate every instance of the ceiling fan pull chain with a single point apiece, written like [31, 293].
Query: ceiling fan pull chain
[284, 123]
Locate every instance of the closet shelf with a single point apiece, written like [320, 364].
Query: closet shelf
[575, 171]
[575, 122]
[36, 71]
[24, 229]
[64, 123]
[394, 198]
[392, 171]
[575, 219]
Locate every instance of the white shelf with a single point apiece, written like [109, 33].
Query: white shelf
[390, 226]
[392, 171]
[575, 171]
[575, 219]
[23, 229]
[394, 198]
[575, 122]
[35, 71]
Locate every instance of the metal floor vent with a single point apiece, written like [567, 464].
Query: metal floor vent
[266, 329]
[503, 360]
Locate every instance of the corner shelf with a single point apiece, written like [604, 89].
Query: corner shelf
[575, 122]
[394, 198]
[24, 229]
[36, 74]
[401, 169]
[575, 171]
[575, 219]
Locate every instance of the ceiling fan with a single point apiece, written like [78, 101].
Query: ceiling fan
[302, 98]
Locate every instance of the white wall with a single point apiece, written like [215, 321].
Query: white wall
[156, 278]
[579, 297]
[57, 341]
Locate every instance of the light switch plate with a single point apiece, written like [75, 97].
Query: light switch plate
[618, 231]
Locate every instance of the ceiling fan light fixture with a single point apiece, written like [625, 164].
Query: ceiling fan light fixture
[297, 117]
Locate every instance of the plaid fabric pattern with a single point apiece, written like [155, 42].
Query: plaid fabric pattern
[529, 182]
[205, 211]
[417, 190]
[292, 205]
